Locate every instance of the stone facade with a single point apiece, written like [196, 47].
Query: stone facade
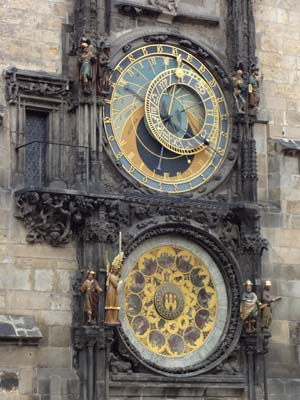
[36, 279]
[277, 30]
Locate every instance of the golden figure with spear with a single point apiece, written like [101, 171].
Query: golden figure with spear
[113, 275]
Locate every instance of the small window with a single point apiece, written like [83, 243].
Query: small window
[36, 127]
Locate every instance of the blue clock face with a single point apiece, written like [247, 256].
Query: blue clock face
[166, 119]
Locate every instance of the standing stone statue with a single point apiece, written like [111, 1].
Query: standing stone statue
[112, 302]
[86, 61]
[239, 90]
[249, 307]
[253, 90]
[91, 290]
[266, 310]
[104, 70]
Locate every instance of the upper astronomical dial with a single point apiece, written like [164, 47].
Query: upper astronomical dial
[185, 145]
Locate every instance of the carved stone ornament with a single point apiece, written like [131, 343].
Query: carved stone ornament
[57, 219]
[254, 243]
[172, 8]
[20, 83]
[165, 6]
[169, 301]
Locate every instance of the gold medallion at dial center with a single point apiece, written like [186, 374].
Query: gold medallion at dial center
[169, 301]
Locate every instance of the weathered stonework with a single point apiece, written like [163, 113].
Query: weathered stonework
[37, 41]
[277, 30]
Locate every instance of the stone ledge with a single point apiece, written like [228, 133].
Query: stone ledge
[287, 146]
[19, 328]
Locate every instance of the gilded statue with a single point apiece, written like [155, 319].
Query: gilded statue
[112, 302]
[249, 307]
[91, 290]
[86, 61]
[266, 309]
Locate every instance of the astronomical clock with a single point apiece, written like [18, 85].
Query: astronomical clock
[166, 119]
[168, 130]
[146, 146]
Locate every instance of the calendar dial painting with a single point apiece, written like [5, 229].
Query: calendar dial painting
[175, 302]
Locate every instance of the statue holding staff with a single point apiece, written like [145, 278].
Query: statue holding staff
[113, 275]
[91, 290]
[266, 309]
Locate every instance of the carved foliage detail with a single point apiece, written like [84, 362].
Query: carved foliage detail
[57, 219]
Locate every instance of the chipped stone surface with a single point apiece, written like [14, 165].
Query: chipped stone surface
[18, 326]
[9, 381]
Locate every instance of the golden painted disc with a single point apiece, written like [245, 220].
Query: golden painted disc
[170, 301]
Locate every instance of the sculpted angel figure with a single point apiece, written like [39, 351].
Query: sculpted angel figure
[112, 302]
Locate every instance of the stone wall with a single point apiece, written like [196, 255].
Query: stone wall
[34, 280]
[278, 50]
[278, 32]
[30, 39]
[36, 32]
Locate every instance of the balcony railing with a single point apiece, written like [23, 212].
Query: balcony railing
[53, 165]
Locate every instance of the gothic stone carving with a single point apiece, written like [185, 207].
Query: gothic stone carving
[172, 8]
[20, 83]
[57, 218]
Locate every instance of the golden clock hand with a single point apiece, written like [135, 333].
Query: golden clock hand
[158, 168]
[172, 100]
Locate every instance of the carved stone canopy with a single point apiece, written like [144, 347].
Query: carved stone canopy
[169, 9]
[27, 83]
